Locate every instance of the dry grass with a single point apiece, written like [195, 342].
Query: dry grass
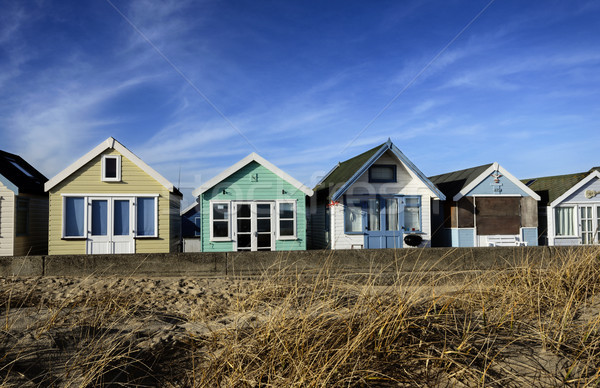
[525, 326]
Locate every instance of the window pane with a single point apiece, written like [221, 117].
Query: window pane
[99, 217]
[286, 228]
[564, 221]
[391, 214]
[145, 217]
[244, 241]
[373, 214]
[121, 217]
[74, 208]
[411, 219]
[243, 211]
[353, 216]
[110, 167]
[263, 225]
[286, 210]
[412, 201]
[243, 225]
[264, 240]
[382, 174]
[263, 210]
[221, 211]
[220, 229]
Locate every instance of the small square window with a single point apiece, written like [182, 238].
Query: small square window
[382, 173]
[111, 168]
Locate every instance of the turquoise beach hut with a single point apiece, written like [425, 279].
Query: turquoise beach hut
[252, 206]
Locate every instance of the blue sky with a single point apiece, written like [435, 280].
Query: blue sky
[193, 86]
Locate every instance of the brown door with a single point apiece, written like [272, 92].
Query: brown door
[498, 215]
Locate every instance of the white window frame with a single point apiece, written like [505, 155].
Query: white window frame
[228, 237]
[155, 235]
[85, 218]
[575, 222]
[133, 197]
[118, 177]
[278, 219]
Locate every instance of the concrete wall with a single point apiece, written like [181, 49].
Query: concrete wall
[207, 264]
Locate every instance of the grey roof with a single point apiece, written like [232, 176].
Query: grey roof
[21, 174]
[550, 188]
[452, 183]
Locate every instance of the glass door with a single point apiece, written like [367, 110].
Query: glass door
[254, 226]
[98, 236]
[587, 225]
[109, 226]
[382, 219]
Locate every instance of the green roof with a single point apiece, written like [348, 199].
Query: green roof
[552, 187]
[452, 183]
[345, 170]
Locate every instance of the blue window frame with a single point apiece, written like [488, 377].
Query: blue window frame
[382, 173]
[412, 214]
[74, 217]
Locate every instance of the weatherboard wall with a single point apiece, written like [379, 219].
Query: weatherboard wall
[407, 183]
[87, 180]
[488, 186]
[242, 186]
[7, 216]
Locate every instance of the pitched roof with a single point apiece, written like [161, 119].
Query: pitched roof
[457, 184]
[344, 174]
[110, 143]
[19, 175]
[253, 157]
[343, 171]
[552, 187]
[452, 183]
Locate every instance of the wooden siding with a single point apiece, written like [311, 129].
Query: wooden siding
[487, 187]
[498, 215]
[7, 224]
[240, 186]
[36, 240]
[529, 213]
[87, 180]
[175, 223]
[579, 196]
[465, 209]
[407, 184]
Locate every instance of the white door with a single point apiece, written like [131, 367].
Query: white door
[253, 226]
[109, 226]
[122, 236]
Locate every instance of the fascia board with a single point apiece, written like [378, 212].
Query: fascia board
[9, 185]
[141, 164]
[329, 173]
[253, 157]
[495, 167]
[108, 143]
[575, 187]
[400, 155]
[190, 207]
[78, 164]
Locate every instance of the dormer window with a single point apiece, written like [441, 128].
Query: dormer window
[382, 173]
[111, 168]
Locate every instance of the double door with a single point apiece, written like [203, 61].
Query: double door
[254, 226]
[110, 225]
[382, 220]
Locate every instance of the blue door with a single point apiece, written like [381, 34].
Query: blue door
[383, 220]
